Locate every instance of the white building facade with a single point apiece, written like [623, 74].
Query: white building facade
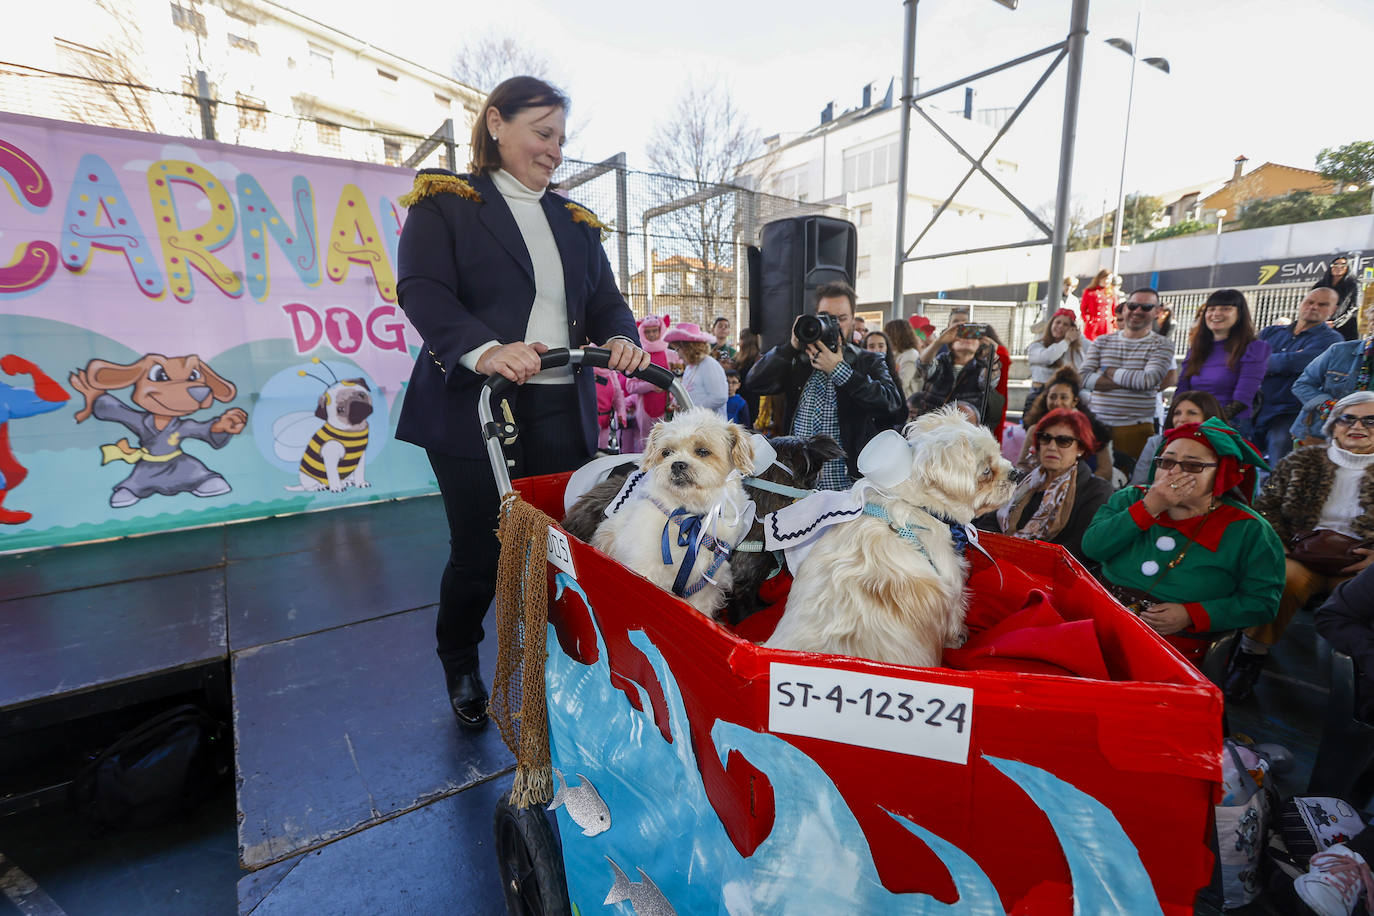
[283, 81]
[853, 160]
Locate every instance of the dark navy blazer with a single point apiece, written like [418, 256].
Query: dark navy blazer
[466, 278]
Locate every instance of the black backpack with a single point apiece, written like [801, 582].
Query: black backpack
[157, 771]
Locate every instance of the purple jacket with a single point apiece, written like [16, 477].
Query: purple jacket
[1238, 384]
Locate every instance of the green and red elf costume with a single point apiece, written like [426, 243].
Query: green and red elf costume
[1226, 566]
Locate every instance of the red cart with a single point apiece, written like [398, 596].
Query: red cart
[699, 772]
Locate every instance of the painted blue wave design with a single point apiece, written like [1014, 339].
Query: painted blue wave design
[1108, 876]
[816, 858]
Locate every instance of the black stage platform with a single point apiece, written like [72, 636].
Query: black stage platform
[356, 792]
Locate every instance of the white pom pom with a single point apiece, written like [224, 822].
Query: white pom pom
[1166, 543]
[1149, 568]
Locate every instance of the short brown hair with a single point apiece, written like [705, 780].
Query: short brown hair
[509, 99]
[838, 290]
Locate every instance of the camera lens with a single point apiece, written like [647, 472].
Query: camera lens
[807, 329]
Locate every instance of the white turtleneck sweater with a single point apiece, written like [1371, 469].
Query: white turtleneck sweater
[1343, 503]
[548, 321]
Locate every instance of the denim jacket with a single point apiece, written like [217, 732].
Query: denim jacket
[1330, 376]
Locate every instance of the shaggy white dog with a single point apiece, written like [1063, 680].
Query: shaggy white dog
[690, 500]
[892, 589]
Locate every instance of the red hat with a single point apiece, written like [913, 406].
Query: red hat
[921, 325]
[1067, 313]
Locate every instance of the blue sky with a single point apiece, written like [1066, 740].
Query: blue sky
[1271, 79]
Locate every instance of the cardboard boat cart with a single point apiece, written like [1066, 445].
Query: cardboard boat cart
[702, 773]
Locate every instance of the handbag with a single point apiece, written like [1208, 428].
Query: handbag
[1324, 551]
[1242, 823]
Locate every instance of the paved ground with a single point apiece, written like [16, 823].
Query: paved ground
[356, 793]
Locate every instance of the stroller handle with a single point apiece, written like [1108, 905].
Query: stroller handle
[498, 386]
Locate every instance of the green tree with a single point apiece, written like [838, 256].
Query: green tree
[1303, 207]
[1349, 164]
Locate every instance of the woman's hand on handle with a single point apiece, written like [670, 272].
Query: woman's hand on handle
[626, 357]
[516, 361]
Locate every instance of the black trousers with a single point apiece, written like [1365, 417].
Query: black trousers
[550, 440]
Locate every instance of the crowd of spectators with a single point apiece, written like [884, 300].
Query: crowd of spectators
[1165, 507]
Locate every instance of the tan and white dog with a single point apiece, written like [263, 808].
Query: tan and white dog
[678, 518]
[888, 583]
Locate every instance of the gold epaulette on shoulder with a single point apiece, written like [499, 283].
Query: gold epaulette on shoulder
[581, 214]
[428, 184]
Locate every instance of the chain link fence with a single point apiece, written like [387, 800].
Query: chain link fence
[677, 246]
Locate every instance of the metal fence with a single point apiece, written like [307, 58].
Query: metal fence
[1014, 321]
[677, 246]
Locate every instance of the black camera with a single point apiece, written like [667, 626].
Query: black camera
[822, 328]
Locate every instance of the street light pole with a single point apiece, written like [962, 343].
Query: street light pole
[1160, 64]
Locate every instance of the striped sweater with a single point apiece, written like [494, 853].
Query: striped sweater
[1140, 365]
[354, 445]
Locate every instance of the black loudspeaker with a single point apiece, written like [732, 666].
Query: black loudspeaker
[797, 255]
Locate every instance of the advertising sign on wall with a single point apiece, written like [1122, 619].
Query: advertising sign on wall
[192, 332]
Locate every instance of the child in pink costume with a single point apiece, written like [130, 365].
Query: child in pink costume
[646, 401]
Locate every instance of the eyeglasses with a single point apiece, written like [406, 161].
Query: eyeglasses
[1140, 306]
[1349, 419]
[1189, 466]
[1061, 441]
[1221, 308]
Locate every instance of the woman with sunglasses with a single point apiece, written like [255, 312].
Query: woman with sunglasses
[1064, 391]
[1058, 499]
[1225, 357]
[1187, 553]
[1346, 317]
[1320, 500]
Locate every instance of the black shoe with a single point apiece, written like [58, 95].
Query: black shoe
[1244, 672]
[468, 697]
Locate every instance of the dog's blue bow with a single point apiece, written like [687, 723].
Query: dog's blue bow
[688, 534]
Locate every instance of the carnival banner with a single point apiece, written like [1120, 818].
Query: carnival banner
[193, 332]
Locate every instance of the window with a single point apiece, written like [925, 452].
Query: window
[862, 266]
[321, 60]
[252, 112]
[240, 43]
[865, 215]
[387, 76]
[328, 134]
[443, 100]
[391, 152]
[189, 19]
[870, 168]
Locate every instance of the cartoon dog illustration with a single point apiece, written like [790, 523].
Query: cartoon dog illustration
[166, 391]
[16, 404]
[334, 457]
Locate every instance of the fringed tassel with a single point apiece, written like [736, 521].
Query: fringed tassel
[430, 184]
[532, 786]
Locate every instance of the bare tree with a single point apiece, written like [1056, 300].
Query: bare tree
[705, 139]
[484, 61]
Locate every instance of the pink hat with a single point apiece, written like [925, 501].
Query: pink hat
[685, 331]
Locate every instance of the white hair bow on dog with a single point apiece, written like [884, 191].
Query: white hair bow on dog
[884, 462]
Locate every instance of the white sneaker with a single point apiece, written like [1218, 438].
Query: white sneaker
[1335, 881]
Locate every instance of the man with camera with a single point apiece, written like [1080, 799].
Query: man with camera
[830, 386]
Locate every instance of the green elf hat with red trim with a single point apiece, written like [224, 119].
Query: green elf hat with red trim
[1237, 459]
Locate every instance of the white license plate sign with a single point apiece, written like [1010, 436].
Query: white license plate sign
[870, 710]
[559, 553]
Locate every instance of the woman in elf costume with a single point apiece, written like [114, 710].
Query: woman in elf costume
[1187, 553]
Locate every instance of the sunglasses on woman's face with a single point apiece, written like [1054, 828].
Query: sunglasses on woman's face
[1061, 441]
[1349, 419]
[1189, 465]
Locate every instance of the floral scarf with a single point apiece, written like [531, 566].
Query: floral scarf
[1055, 506]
